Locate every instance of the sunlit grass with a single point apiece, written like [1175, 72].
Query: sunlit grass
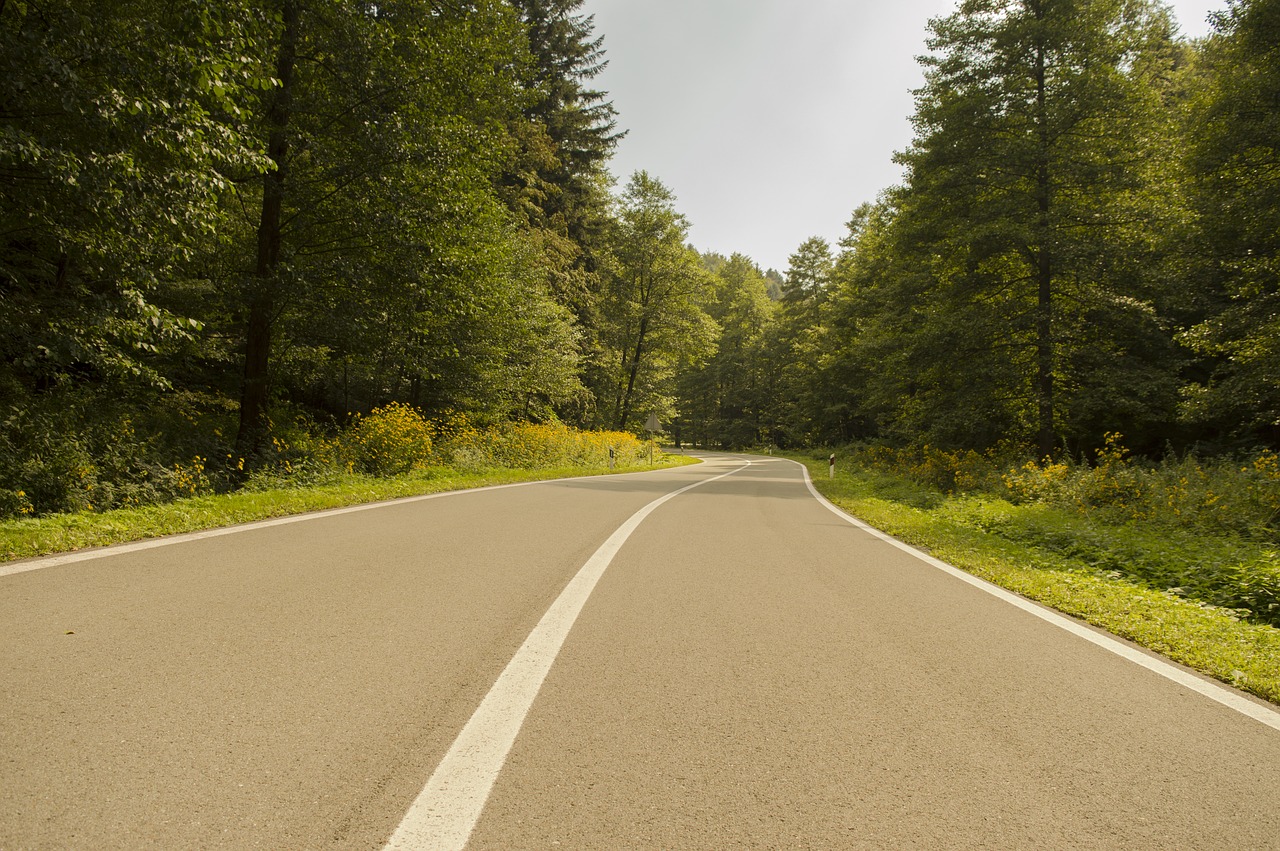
[1036, 552]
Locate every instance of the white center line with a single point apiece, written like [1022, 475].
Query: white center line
[447, 809]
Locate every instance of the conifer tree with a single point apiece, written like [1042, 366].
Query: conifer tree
[1235, 165]
[1036, 130]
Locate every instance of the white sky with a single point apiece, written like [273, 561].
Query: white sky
[771, 120]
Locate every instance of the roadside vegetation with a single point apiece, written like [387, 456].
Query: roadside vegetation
[1182, 557]
[393, 452]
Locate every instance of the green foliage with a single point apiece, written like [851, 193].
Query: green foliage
[377, 243]
[793, 349]
[87, 451]
[809, 274]
[577, 123]
[541, 446]
[119, 126]
[1204, 530]
[1234, 161]
[1229, 573]
[654, 320]
[724, 400]
[1036, 133]
[1024, 285]
[1215, 497]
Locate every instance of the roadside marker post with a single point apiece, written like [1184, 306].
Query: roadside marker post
[652, 426]
[831, 466]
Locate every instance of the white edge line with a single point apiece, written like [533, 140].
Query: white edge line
[1168, 670]
[449, 806]
[41, 562]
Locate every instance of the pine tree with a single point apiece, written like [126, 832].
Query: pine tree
[1036, 130]
[1235, 165]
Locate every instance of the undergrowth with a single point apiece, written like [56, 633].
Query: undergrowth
[70, 460]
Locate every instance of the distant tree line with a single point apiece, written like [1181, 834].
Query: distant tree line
[1087, 241]
[228, 227]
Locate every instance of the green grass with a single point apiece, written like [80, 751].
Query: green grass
[1116, 577]
[66, 532]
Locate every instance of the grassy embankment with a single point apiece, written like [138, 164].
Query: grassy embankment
[1180, 558]
[391, 456]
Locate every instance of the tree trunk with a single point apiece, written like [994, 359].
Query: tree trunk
[1045, 436]
[631, 377]
[255, 388]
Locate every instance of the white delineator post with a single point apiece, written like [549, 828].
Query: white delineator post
[831, 466]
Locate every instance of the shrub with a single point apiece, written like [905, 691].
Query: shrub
[391, 440]
[535, 446]
[949, 471]
[1219, 497]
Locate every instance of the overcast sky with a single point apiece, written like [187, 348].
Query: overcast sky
[771, 120]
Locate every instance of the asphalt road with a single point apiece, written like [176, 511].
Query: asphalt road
[749, 671]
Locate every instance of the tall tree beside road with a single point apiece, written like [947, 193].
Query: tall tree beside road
[1235, 166]
[793, 347]
[120, 134]
[723, 401]
[1028, 179]
[654, 303]
[118, 124]
[579, 121]
[808, 275]
[385, 133]
[558, 180]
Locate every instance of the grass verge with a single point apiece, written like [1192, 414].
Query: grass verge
[1210, 639]
[66, 532]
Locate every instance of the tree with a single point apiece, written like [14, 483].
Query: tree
[1037, 132]
[385, 132]
[1235, 166]
[776, 283]
[578, 121]
[808, 275]
[653, 308]
[117, 126]
[566, 132]
[722, 401]
[119, 123]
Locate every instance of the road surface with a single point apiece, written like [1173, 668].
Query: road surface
[738, 667]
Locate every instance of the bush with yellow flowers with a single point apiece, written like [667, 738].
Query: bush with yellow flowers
[1215, 496]
[388, 441]
[534, 446]
[949, 471]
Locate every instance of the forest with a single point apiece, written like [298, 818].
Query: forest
[231, 232]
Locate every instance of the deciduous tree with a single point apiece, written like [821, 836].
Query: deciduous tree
[654, 304]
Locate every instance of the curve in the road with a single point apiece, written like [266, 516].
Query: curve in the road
[449, 806]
